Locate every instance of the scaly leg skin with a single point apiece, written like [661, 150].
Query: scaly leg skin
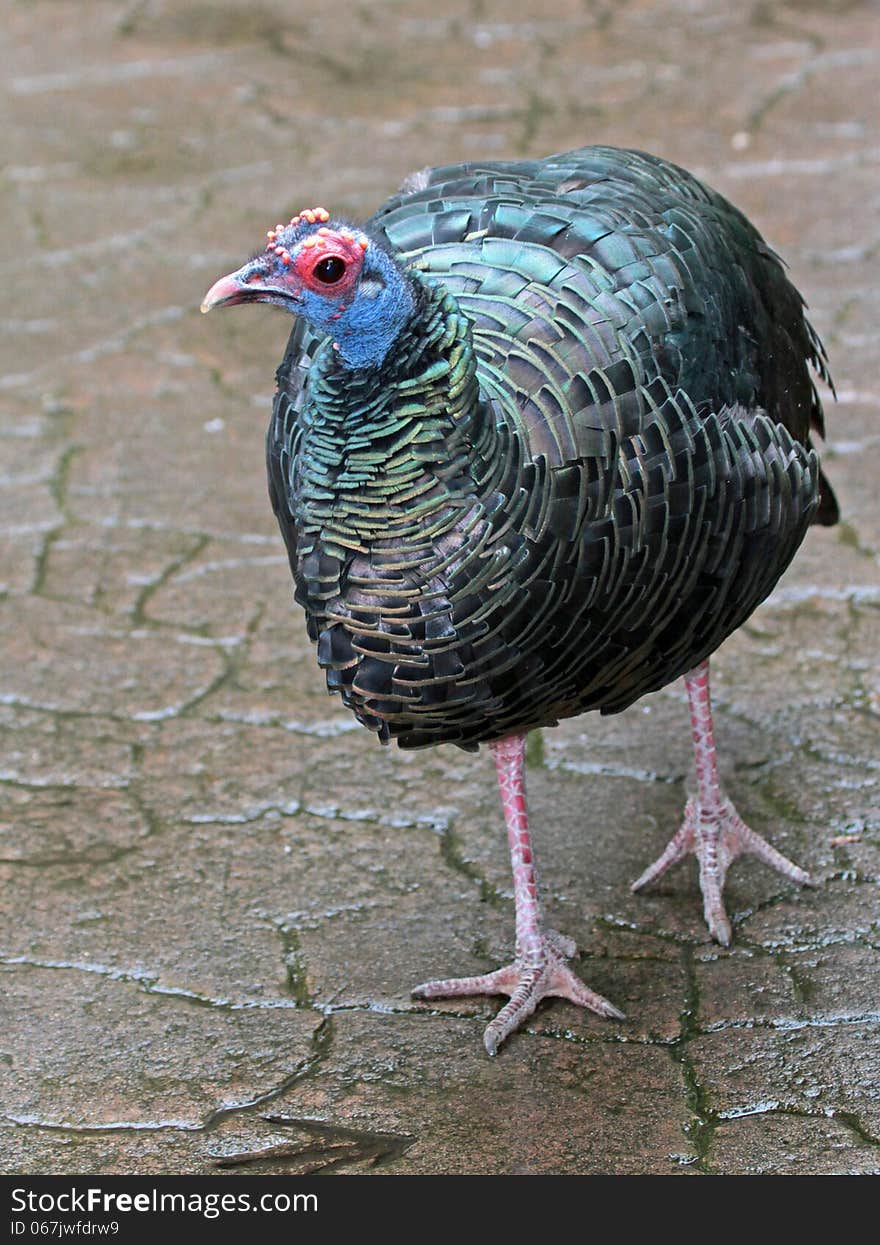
[539, 969]
[712, 828]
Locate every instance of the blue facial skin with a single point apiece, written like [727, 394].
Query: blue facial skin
[364, 321]
[373, 313]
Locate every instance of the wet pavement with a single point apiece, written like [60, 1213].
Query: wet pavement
[216, 889]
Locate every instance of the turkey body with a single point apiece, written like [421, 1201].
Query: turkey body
[583, 465]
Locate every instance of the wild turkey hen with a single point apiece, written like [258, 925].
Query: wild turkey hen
[541, 441]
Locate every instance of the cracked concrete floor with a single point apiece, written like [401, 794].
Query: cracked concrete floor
[217, 890]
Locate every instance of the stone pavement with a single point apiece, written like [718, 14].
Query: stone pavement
[216, 889]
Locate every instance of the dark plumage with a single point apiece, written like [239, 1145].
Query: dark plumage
[557, 452]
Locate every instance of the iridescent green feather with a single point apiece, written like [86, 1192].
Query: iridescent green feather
[583, 465]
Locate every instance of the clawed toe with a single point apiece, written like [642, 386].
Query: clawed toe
[716, 837]
[540, 974]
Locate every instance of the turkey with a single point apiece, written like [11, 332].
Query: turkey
[541, 441]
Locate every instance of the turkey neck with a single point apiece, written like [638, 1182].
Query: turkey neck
[399, 450]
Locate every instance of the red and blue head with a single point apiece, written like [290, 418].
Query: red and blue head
[336, 277]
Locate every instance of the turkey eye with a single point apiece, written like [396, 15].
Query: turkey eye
[329, 270]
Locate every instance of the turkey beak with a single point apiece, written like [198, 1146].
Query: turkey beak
[251, 284]
[225, 293]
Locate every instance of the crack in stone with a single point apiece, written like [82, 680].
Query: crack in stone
[610, 921]
[58, 488]
[321, 1044]
[295, 968]
[792, 1024]
[790, 83]
[609, 770]
[108, 74]
[849, 1119]
[267, 810]
[116, 1126]
[89, 354]
[148, 982]
[138, 610]
[700, 1132]
[322, 728]
[233, 653]
[94, 857]
[452, 854]
[10, 779]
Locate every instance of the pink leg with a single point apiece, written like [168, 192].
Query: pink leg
[712, 828]
[539, 969]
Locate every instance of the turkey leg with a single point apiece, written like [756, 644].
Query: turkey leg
[712, 828]
[539, 969]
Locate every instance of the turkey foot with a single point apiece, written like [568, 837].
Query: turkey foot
[717, 837]
[712, 828]
[540, 974]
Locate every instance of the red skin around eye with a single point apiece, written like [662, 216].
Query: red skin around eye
[329, 244]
